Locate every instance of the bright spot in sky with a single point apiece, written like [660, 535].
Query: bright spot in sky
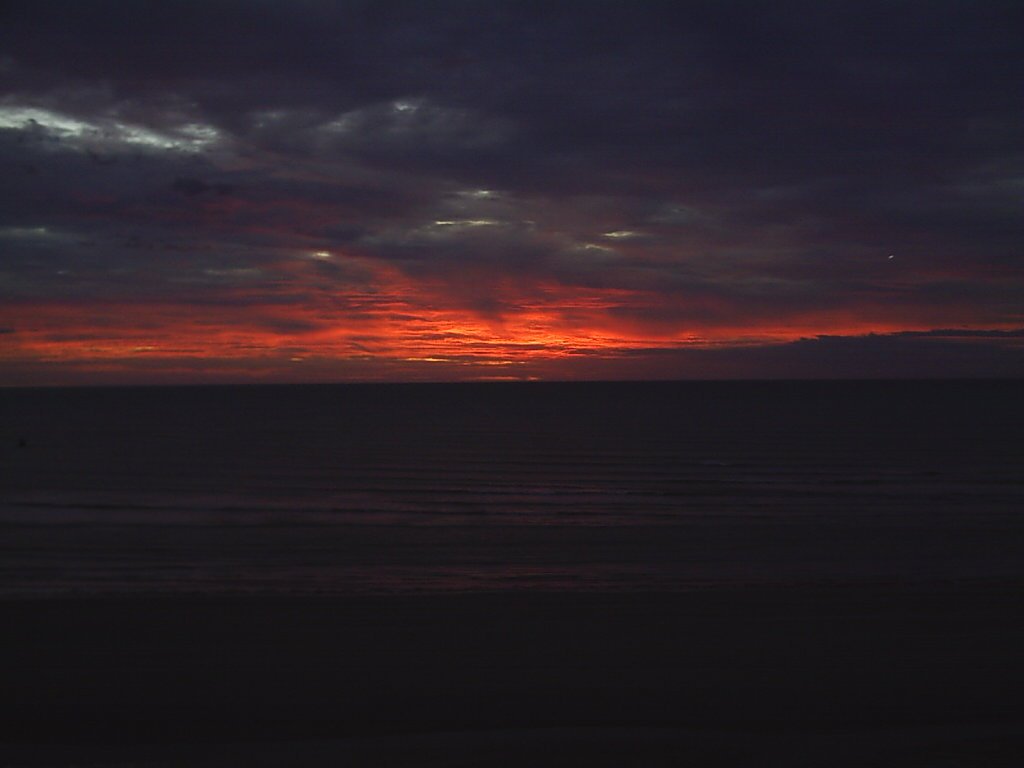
[592, 247]
[465, 223]
[107, 132]
[52, 122]
[321, 255]
[27, 233]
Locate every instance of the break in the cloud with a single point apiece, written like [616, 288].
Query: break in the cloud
[319, 191]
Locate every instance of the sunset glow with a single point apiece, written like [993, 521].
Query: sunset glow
[419, 222]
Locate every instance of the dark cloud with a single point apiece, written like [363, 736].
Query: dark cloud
[891, 356]
[711, 168]
[962, 333]
[874, 356]
[192, 187]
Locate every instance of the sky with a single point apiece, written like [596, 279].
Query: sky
[304, 191]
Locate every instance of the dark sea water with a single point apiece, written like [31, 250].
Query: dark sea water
[411, 489]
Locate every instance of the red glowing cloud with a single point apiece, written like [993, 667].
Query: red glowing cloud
[293, 326]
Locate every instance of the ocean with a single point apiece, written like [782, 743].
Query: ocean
[408, 489]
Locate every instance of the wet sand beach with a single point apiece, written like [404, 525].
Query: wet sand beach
[905, 677]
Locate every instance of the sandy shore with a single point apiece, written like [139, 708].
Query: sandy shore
[835, 676]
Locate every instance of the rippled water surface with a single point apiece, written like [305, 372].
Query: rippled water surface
[355, 489]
